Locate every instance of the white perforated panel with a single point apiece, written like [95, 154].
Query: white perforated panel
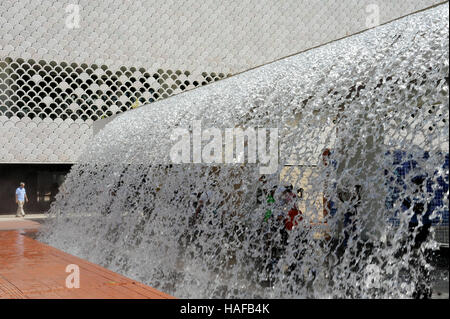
[65, 64]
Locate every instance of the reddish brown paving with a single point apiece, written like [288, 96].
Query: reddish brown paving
[31, 269]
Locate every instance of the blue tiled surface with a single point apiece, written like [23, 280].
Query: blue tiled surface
[405, 171]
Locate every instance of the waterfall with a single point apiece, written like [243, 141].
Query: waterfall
[361, 138]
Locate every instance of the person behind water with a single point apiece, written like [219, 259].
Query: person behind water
[291, 219]
[328, 204]
[205, 198]
[285, 218]
[353, 199]
[268, 227]
[267, 196]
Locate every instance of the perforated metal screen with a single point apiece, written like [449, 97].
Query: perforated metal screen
[66, 64]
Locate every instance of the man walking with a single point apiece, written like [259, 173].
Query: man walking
[21, 197]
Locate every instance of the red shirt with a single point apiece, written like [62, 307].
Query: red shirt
[291, 221]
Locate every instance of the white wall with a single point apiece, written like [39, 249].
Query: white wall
[225, 37]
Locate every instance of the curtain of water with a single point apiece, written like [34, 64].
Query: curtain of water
[363, 156]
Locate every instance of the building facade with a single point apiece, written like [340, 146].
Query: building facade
[66, 64]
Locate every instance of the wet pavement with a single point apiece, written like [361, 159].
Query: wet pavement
[31, 269]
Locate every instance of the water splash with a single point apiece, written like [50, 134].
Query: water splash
[344, 112]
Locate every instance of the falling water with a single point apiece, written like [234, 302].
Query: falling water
[358, 121]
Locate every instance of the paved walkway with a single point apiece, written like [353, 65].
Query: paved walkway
[18, 224]
[31, 269]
